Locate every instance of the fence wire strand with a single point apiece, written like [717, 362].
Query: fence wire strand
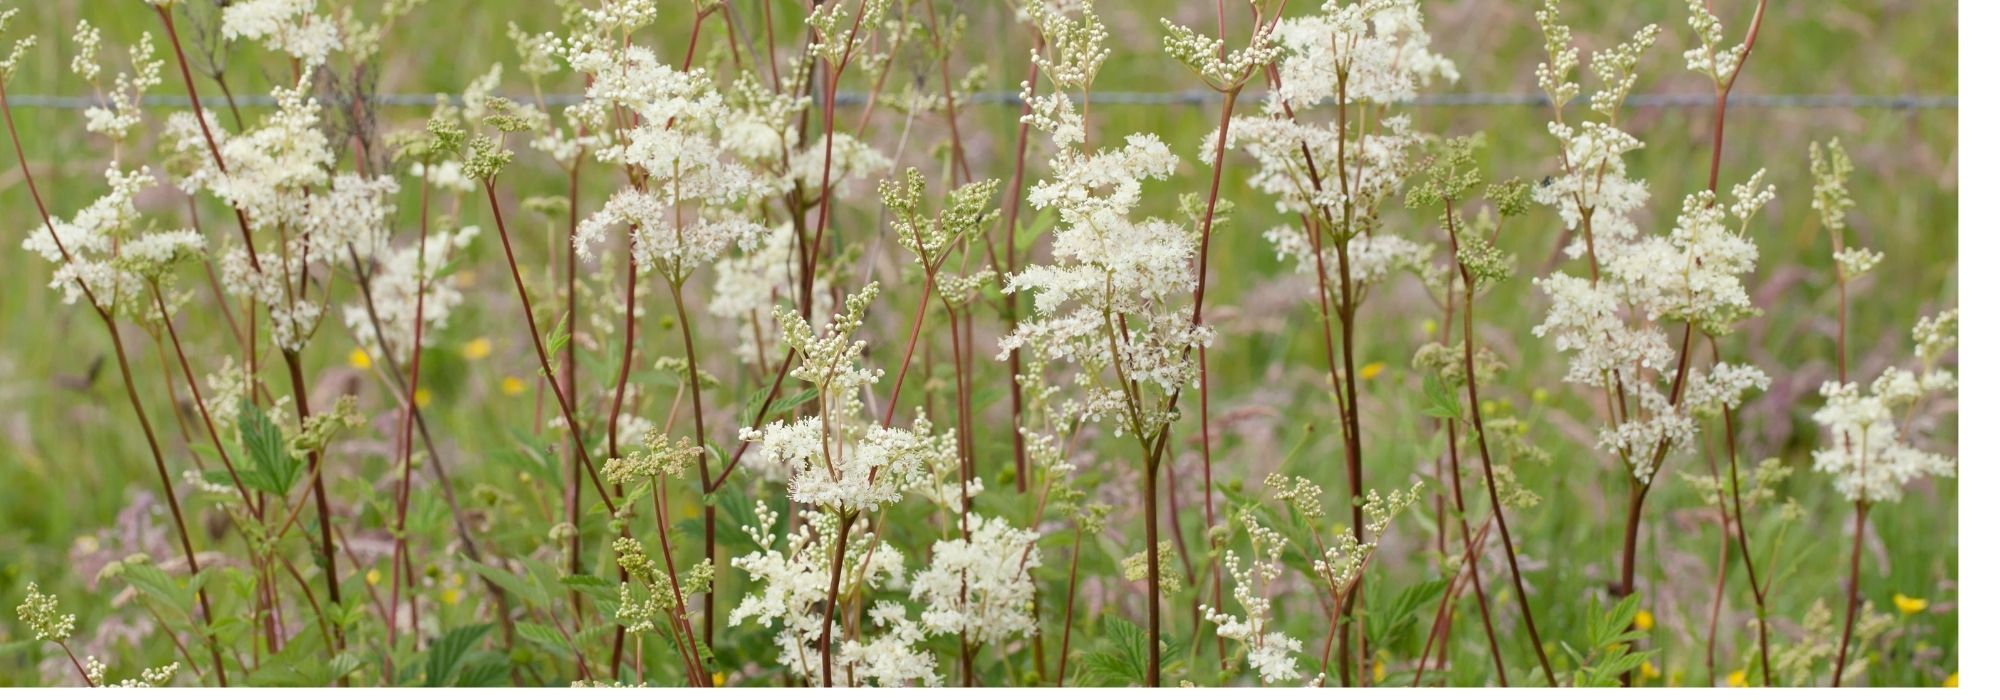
[1898, 103]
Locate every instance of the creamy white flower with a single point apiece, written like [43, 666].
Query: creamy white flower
[394, 287]
[289, 26]
[1269, 650]
[792, 582]
[1380, 46]
[980, 587]
[84, 247]
[1866, 452]
[891, 657]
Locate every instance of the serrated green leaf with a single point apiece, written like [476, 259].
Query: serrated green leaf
[273, 469]
[526, 589]
[545, 637]
[448, 653]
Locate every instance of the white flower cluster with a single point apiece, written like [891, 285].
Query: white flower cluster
[748, 287]
[116, 119]
[688, 211]
[982, 586]
[269, 168]
[1270, 651]
[891, 658]
[1712, 58]
[795, 577]
[839, 461]
[393, 290]
[1615, 324]
[1868, 452]
[289, 26]
[95, 671]
[1381, 53]
[87, 248]
[1113, 297]
[1376, 49]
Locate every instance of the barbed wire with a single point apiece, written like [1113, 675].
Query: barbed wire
[1899, 103]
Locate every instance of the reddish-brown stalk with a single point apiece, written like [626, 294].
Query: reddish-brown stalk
[399, 386]
[701, 457]
[681, 631]
[408, 421]
[1472, 547]
[1200, 294]
[1069, 609]
[300, 398]
[1441, 622]
[549, 375]
[616, 410]
[846, 523]
[1485, 454]
[962, 390]
[166, 484]
[573, 502]
[1853, 590]
[1012, 306]
[125, 372]
[1471, 563]
[1723, 520]
[1743, 535]
[201, 406]
[1343, 310]
[1639, 489]
[961, 172]
[809, 257]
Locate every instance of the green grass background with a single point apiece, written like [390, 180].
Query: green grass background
[71, 459]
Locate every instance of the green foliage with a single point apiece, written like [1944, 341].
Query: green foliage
[272, 467]
[1119, 657]
[1608, 652]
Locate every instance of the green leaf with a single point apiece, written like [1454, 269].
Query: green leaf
[1390, 620]
[483, 670]
[525, 589]
[1120, 656]
[1443, 401]
[447, 654]
[545, 637]
[155, 584]
[273, 468]
[735, 511]
[1025, 235]
[785, 405]
[558, 336]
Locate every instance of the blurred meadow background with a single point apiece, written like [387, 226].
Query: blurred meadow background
[77, 490]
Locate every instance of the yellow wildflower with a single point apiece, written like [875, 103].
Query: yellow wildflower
[1643, 621]
[1647, 670]
[716, 679]
[1951, 681]
[423, 397]
[374, 577]
[1739, 679]
[1381, 671]
[477, 349]
[1910, 606]
[450, 596]
[1373, 370]
[513, 386]
[358, 359]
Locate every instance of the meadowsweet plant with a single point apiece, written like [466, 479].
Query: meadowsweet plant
[923, 343]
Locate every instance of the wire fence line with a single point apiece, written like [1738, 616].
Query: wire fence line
[1897, 103]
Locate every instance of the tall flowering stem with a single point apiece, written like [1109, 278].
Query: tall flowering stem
[1479, 265]
[104, 314]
